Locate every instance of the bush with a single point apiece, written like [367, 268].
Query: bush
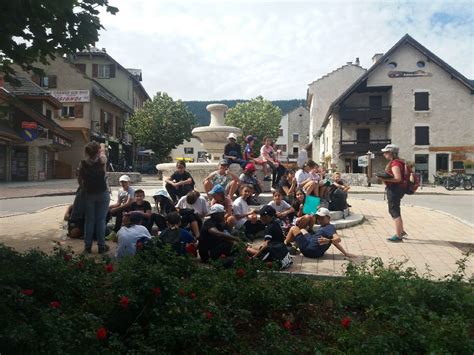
[160, 303]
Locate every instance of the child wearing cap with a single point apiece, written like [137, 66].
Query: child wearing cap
[222, 177]
[129, 234]
[125, 198]
[251, 158]
[180, 183]
[233, 151]
[314, 245]
[219, 197]
[272, 226]
[248, 178]
[215, 241]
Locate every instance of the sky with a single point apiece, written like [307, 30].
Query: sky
[212, 50]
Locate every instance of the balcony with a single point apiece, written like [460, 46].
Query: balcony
[360, 147]
[380, 114]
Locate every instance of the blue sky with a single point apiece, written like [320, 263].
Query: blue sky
[227, 49]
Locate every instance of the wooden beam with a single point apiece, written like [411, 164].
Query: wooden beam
[464, 148]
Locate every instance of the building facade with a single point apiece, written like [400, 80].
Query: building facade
[191, 150]
[30, 140]
[409, 97]
[293, 136]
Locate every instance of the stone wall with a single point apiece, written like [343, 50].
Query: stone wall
[354, 179]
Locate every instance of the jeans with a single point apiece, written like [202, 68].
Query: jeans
[96, 208]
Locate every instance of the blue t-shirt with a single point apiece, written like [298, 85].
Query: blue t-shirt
[309, 243]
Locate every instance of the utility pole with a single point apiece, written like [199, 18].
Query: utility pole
[369, 168]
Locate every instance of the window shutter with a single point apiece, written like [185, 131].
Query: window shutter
[36, 79]
[95, 70]
[102, 120]
[422, 101]
[422, 135]
[81, 68]
[79, 110]
[112, 70]
[52, 81]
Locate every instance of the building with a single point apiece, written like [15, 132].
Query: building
[409, 97]
[192, 150]
[30, 140]
[89, 112]
[293, 135]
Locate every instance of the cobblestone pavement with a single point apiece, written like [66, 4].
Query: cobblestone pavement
[436, 241]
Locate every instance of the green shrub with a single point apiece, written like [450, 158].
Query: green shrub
[157, 302]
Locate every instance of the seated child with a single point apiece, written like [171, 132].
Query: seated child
[180, 183]
[125, 198]
[241, 208]
[314, 245]
[142, 207]
[164, 205]
[253, 227]
[305, 221]
[222, 177]
[192, 209]
[283, 209]
[272, 226]
[248, 178]
[272, 251]
[75, 223]
[129, 234]
[219, 197]
[178, 238]
[287, 186]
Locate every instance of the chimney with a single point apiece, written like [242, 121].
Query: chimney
[357, 61]
[349, 63]
[376, 57]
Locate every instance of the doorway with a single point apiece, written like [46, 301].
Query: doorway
[421, 165]
[442, 162]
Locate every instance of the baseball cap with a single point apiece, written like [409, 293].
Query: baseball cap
[249, 138]
[322, 212]
[217, 208]
[391, 148]
[161, 193]
[250, 167]
[232, 136]
[267, 237]
[124, 178]
[217, 189]
[223, 162]
[267, 211]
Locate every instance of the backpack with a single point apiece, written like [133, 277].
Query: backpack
[411, 181]
[172, 237]
[338, 201]
[93, 177]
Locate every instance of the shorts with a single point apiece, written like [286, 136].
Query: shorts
[394, 195]
[303, 241]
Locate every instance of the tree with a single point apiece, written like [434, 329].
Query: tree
[39, 30]
[161, 124]
[258, 117]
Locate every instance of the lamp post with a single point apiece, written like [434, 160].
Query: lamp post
[369, 168]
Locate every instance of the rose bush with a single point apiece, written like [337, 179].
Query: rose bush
[161, 303]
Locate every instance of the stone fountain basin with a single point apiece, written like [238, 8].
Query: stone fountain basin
[215, 134]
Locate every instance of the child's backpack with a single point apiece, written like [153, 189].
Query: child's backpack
[172, 237]
[338, 201]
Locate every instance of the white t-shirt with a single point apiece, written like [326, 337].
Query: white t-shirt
[301, 176]
[123, 195]
[200, 206]
[240, 207]
[284, 206]
[127, 239]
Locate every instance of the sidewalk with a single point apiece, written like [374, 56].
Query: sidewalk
[151, 182]
[435, 240]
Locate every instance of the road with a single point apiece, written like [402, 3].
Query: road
[459, 206]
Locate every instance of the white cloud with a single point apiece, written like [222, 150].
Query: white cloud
[216, 50]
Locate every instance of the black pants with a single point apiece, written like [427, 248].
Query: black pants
[157, 219]
[118, 219]
[277, 172]
[395, 194]
[177, 192]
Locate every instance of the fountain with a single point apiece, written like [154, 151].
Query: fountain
[213, 138]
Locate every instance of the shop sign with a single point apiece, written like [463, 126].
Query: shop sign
[71, 95]
[29, 125]
[363, 161]
[408, 74]
[29, 131]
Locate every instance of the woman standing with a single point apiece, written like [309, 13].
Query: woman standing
[92, 183]
[394, 188]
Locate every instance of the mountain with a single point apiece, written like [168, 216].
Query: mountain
[198, 108]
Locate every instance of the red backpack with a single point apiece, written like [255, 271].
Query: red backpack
[411, 181]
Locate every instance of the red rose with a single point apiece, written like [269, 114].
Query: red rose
[346, 322]
[156, 291]
[181, 292]
[270, 265]
[80, 265]
[124, 301]
[67, 257]
[240, 273]
[209, 315]
[288, 325]
[27, 292]
[55, 304]
[192, 295]
[191, 249]
[101, 333]
[109, 268]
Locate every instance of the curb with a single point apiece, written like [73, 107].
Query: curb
[38, 211]
[65, 193]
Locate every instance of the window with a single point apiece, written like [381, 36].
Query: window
[48, 82]
[81, 67]
[422, 101]
[188, 150]
[420, 64]
[422, 135]
[103, 71]
[442, 162]
[392, 65]
[295, 150]
[106, 122]
[421, 165]
[68, 111]
[49, 114]
[280, 132]
[281, 147]
[458, 165]
[363, 135]
[296, 137]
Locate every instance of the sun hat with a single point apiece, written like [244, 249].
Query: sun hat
[124, 178]
[232, 136]
[223, 162]
[250, 167]
[161, 193]
[217, 189]
[323, 212]
[267, 211]
[391, 148]
[217, 208]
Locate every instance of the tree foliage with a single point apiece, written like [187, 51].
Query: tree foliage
[39, 30]
[258, 117]
[161, 125]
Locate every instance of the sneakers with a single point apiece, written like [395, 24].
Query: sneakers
[292, 250]
[395, 239]
[404, 235]
[267, 178]
[104, 249]
[112, 235]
